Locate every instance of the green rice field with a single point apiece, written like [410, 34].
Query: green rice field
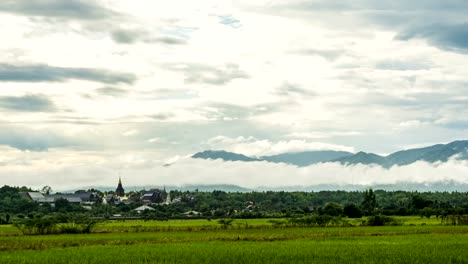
[245, 241]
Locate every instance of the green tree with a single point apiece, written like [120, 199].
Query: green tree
[46, 190]
[332, 209]
[352, 211]
[369, 203]
[63, 205]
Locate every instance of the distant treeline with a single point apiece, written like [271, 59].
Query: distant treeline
[220, 204]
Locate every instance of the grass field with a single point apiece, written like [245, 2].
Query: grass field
[202, 241]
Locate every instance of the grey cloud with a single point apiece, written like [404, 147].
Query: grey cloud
[27, 103]
[453, 124]
[23, 138]
[198, 73]
[125, 36]
[76, 120]
[111, 91]
[416, 101]
[442, 23]
[329, 54]
[403, 65]
[45, 73]
[162, 116]
[108, 136]
[169, 94]
[437, 98]
[132, 36]
[288, 89]
[404, 5]
[167, 40]
[76, 9]
[222, 111]
[451, 37]
[230, 21]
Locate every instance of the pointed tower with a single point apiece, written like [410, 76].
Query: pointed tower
[120, 192]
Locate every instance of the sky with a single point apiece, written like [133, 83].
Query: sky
[95, 89]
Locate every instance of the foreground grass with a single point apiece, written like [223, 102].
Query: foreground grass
[384, 249]
[246, 241]
[131, 226]
[401, 244]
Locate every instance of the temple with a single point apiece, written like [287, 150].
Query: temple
[120, 192]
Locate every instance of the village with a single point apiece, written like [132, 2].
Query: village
[86, 199]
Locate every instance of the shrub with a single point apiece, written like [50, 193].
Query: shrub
[332, 209]
[316, 220]
[454, 220]
[352, 211]
[382, 220]
[56, 225]
[225, 223]
[37, 226]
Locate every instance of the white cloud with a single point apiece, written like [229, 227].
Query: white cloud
[319, 135]
[94, 169]
[153, 140]
[129, 133]
[257, 147]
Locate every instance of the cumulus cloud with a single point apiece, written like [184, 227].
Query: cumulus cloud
[258, 147]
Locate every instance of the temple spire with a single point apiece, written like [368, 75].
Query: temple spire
[120, 192]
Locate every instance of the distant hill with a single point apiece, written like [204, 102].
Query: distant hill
[306, 158]
[221, 154]
[362, 158]
[431, 154]
[297, 158]
[435, 153]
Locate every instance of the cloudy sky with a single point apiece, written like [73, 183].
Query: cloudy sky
[91, 89]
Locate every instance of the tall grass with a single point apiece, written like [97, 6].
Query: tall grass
[244, 241]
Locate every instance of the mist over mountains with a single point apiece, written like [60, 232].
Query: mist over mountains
[430, 154]
[439, 186]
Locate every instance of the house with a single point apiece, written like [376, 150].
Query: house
[77, 198]
[192, 213]
[154, 196]
[37, 197]
[143, 208]
[109, 198]
[33, 196]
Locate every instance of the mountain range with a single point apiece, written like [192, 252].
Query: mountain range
[431, 154]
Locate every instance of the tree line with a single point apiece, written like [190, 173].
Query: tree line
[220, 204]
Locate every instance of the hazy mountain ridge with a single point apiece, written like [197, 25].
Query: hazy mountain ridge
[306, 158]
[224, 155]
[300, 159]
[438, 186]
[431, 154]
